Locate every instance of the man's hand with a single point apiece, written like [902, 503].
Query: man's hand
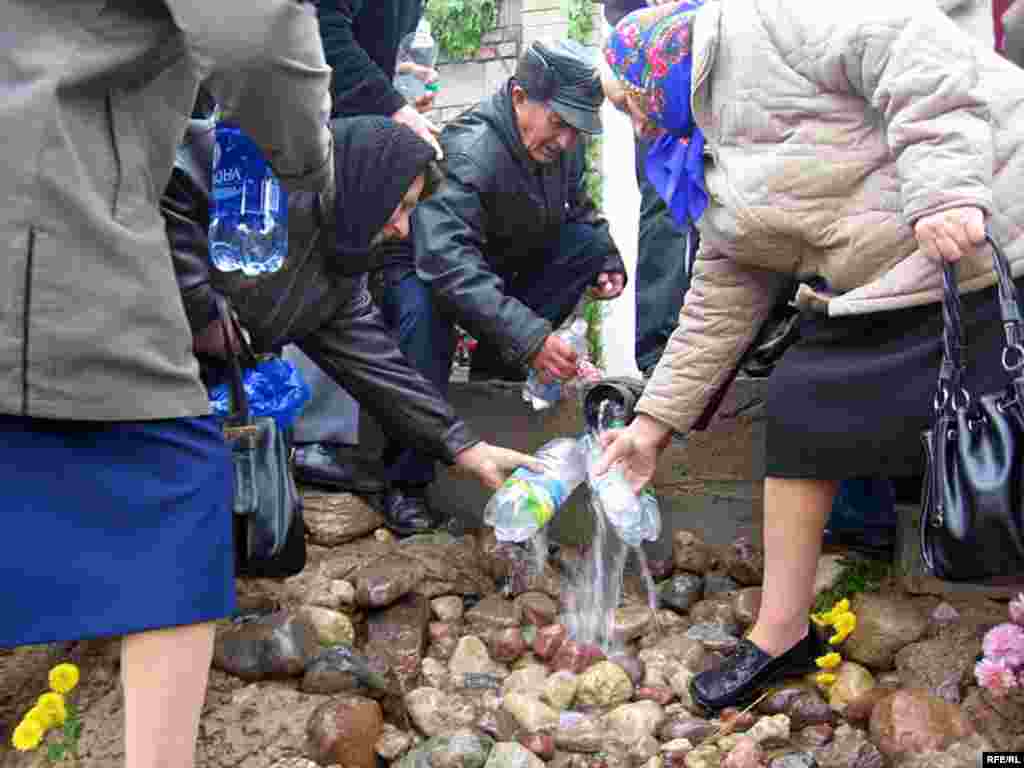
[950, 235]
[492, 465]
[608, 285]
[638, 447]
[425, 129]
[556, 359]
[210, 340]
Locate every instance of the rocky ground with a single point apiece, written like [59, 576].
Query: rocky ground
[445, 652]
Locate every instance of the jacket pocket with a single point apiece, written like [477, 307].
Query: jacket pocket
[133, 185]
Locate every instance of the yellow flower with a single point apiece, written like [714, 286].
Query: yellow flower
[820, 619]
[27, 735]
[843, 606]
[64, 678]
[44, 717]
[824, 678]
[53, 703]
[829, 661]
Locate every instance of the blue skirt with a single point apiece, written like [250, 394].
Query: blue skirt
[112, 528]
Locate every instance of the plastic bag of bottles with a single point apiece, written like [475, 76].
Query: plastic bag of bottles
[275, 388]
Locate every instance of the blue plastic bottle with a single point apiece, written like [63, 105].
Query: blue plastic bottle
[248, 207]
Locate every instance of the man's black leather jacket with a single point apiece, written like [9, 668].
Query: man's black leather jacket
[495, 215]
[328, 316]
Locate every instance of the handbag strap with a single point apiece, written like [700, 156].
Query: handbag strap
[240, 418]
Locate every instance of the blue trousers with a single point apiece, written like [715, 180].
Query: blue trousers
[551, 283]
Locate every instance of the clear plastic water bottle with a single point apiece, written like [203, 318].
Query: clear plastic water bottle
[416, 51]
[541, 394]
[248, 207]
[527, 501]
[636, 518]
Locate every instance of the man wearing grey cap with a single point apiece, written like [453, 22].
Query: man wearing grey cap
[505, 248]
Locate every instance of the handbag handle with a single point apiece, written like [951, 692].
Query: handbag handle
[954, 345]
[240, 417]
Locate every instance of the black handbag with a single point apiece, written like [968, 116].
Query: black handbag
[270, 536]
[971, 522]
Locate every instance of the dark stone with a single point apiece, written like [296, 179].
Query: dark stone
[681, 591]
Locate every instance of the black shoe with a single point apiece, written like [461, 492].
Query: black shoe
[745, 672]
[319, 464]
[406, 511]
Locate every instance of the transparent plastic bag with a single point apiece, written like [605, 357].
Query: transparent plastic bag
[275, 387]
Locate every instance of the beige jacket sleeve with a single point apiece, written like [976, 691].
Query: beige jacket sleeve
[1013, 32]
[264, 63]
[724, 309]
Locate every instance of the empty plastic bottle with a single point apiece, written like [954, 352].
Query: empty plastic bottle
[248, 207]
[528, 500]
[635, 518]
[541, 394]
[416, 52]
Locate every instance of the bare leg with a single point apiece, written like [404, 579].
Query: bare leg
[795, 512]
[164, 674]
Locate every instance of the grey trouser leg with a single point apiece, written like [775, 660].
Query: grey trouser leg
[331, 415]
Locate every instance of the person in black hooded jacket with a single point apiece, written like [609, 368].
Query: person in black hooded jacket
[319, 299]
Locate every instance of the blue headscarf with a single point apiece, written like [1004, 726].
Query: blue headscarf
[650, 51]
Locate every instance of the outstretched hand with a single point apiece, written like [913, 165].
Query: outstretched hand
[493, 464]
[636, 449]
[951, 234]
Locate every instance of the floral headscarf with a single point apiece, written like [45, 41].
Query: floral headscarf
[649, 51]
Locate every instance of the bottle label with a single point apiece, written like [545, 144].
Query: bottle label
[543, 494]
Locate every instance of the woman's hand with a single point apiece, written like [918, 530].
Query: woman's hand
[423, 127]
[608, 285]
[952, 234]
[638, 447]
[492, 464]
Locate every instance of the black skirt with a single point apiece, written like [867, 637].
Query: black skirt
[851, 398]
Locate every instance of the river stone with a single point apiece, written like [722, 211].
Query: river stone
[604, 685]
[744, 561]
[471, 658]
[340, 670]
[336, 518]
[631, 622]
[849, 748]
[704, 756]
[745, 753]
[462, 749]
[830, 569]
[434, 673]
[386, 581]
[272, 647]
[885, 625]
[393, 742]
[913, 721]
[529, 679]
[560, 689]
[718, 612]
[448, 608]
[630, 664]
[438, 713]
[549, 639]
[537, 609]
[399, 633]
[540, 744]
[629, 722]
[809, 708]
[746, 605]
[681, 591]
[680, 681]
[688, 651]
[793, 760]
[852, 682]
[332, 627]
[529, 711]
[720, 585]
[495, 612]
[580, 734]
[713, 637]
[690, 552]
[943, 665]
[509, 754]
[684, 725]
[345, 730]
[770, 730]
[507, 645]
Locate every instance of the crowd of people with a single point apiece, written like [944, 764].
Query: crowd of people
[848, 150]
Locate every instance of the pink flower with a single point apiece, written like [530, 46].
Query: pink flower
[1017, 609]
[630, 34]
[995, 676]
[1005, 642]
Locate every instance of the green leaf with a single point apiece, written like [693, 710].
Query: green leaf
[55, 753]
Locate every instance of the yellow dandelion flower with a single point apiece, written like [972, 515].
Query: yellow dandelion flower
[824, 678]
[821, 619]
[64, 678]
[53, 703]
[44, 717]
[829, 661]
[27, 735]
[838, 637]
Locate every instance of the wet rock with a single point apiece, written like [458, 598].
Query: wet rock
[345, 731]
[336, 518]
[276, 646]
[808, 708]
[386, 581]
[963, 754]
[690, 552]
[746, 605]
[859, 708]
[720, 585]
[1001, 721]
[604, 685]
[631, 622]
[676, 749]
[713, 637]
[529, 679]
[830, 569]
[814, 736]
[508, 754]
[541, 744]
[549, 640]
[662, 695]
[914, 721]
[688, 651]
[537, 609]
[630, 664]
[331, 627]
[393, 742]
[494, 612]
[736, 720]
[437, 713]
[945, 613]
[507, 645]
[434, 673]
[685, 726]
[559, 690]
[658, 666]
[852, 682]
[778, 701]
[744, 561]
[575, 657]
[630, 722]
[529, 712]
[399, 634]
[704, 756]
[451, 566]
[681, 591]
[793, 760]
[580, 734]
[340, 670]
[885, 625]
[718, 612]
[443, 648]
[642, 751]
[680, 681]
[462, 749]
[440, 631]
[849, 748]
[470, 658]
[746, 754]
[770, 730]
[943, 665]
[448, 608]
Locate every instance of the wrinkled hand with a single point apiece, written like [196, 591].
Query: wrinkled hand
[423, 127]
[638, 447]
[556, 359]
[493, 464]
[424, 103]
[210, 340]
[608, 285]
[950, 235]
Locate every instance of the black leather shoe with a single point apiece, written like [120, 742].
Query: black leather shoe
[745, 672]
[320, 464]
[406, 511]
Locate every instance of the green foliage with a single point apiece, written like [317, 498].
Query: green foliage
[593, 313]
[59, 751]
[459, 25]
[858, 575]
[581, 19]
[594, 179]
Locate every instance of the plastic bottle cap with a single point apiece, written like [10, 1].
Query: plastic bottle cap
[433, 87]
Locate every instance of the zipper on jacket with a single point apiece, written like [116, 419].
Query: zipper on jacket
[26, 314]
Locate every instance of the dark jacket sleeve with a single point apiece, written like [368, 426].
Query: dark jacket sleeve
[449, 231]
[358, 350]
[583, 211]
[358, 85]
[614, 10]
